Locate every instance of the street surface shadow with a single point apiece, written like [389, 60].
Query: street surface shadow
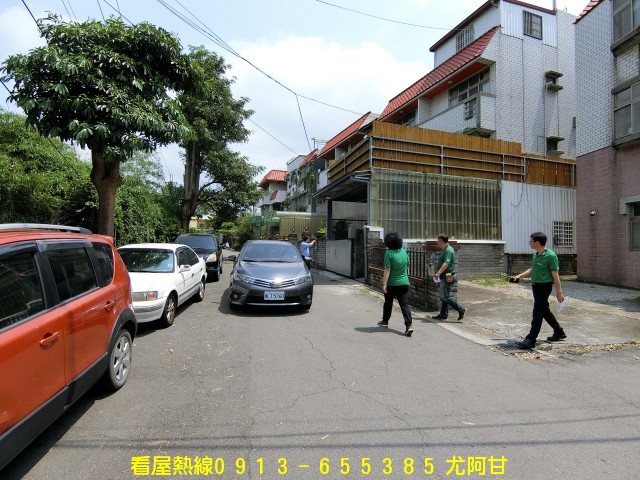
[376, 329]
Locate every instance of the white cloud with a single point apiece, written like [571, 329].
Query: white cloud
[360, 78]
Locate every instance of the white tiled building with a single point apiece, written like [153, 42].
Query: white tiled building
[608, 134]
[506, 72]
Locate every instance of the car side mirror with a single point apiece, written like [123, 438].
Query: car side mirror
[233, 258]
[185, 268]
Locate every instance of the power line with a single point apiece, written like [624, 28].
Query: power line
[285, 146]
[100, 7]
[34, 18]
[72, 11]
[225, 46]
[383, 18]
[117, 10]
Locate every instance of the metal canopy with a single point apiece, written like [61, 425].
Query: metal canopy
[350, 188]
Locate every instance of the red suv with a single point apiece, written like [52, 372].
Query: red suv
[66, 321]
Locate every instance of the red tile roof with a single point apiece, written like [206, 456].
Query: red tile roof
[344, 134]
[309, 157]
[592, 4]
[447, 68]
[274, 176]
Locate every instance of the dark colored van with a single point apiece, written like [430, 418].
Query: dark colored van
[207, 247]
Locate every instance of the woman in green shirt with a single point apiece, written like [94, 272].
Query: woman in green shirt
[395, 281]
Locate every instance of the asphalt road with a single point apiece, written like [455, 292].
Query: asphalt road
[328, 394]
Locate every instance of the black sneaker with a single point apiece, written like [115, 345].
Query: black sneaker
[438, 317]
[461, 314]
[409, 331]
[557, 336]
[527, 343]
[383, 324]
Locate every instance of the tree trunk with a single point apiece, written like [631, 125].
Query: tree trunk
[191, 184]
[105, 176]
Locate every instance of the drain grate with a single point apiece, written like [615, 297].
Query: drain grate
[515, 350]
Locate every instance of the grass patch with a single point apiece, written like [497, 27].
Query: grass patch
[490, 282]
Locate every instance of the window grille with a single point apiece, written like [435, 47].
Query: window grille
[532, 25]
[563, 234]
[464, 38]
[470, 109]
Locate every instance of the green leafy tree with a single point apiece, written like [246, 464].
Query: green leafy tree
[42, 180]
[229, 188]
[244, 230]
[217, 118]
[106, 86]
[140, 214]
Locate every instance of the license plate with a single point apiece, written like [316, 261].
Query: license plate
[274, 295]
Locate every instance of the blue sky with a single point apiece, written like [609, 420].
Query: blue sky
[330, 54]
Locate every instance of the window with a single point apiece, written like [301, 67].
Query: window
[626, 114]
[470, 109]
[72, 271]
[464, 37]
[20, 289]
[532, 25]
[409, 119]
[470, 87]
[626, 17]
[105, 263]
[635, 226]
[563, 234]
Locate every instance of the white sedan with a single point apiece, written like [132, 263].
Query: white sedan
[163, 276]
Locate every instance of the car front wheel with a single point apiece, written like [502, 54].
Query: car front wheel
[169, 313]
[119, 362]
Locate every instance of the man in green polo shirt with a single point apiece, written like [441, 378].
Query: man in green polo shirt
[447, 277]
[544, 273]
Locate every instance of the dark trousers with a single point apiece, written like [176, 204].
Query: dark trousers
[541, 310]
[400, 292]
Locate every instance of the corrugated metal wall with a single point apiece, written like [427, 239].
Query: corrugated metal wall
[528, 208]
[513, 24]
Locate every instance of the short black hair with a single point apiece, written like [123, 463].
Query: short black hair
[444, 237]
[539, 237]
[393, 241]
[305, 238]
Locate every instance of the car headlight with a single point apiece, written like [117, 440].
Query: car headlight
[243, 278]
[303, 279]
[145, 296]
[212, 258]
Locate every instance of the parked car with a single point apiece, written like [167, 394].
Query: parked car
[163, 277]
[66, 321]
[270, 273]
[207, 247]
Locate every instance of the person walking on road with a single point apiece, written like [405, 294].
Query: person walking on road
[305, 249]
[395, 281]
[544, 273]
[447, 277]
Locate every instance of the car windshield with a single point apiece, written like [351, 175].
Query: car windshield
[271, 252]
[198, 242]
[148, 261]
